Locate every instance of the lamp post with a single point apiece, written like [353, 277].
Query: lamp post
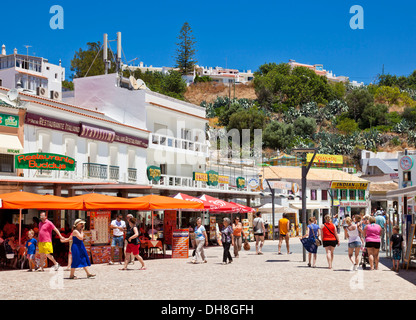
[305, 170]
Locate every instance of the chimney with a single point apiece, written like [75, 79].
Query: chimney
[3, 50]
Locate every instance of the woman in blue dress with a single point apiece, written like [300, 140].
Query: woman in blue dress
[313, 232]
[80, 257]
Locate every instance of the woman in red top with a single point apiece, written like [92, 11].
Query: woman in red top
[329, 239]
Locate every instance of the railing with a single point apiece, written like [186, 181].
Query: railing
[95, 170]
[183, 144]
[180, 181]
[114, 172]
[132, 174]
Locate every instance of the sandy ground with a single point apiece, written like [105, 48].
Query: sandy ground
[268, 276]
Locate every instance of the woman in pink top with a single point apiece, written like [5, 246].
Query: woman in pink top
[372, 234]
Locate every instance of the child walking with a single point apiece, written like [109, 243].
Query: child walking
[31, 250]
[396, 244]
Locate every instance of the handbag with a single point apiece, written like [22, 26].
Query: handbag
[317, 241]
[246, 245]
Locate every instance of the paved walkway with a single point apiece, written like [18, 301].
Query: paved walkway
[268, 276]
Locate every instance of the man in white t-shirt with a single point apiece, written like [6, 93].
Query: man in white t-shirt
[258, 230]
[118, 226]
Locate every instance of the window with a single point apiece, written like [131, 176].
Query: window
[343, 194]
[44, 141]
[352, 195]
[361, 194]
[314, 195]
[324, 195]
[6, 163]
[163, 168]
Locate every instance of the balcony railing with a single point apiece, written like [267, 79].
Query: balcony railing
[132, 174]
[95, 170]
[177, 143]
[114, 172]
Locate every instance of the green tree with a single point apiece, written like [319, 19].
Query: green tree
[304, 127]
[347, 126]
[89, 62]
[357, 100]
[247, 119]
[185, 52]
[278, 135]
[373, 115]
[172, 84]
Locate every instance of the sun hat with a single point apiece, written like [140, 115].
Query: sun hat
[78, 221]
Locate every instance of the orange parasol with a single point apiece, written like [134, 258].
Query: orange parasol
[96, 201]
[27, 200]
[156, 202]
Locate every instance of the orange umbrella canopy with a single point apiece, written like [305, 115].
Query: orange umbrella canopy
[156, 202]
[96, 201]
[27, 200]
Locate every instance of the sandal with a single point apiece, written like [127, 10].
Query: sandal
[143, 268]
[91, 275]
[73, 278]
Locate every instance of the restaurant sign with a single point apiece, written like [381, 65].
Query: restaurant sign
[212, 178]
[325, 158]
[44, 161]
[8, 120]
[241, 182]
[200, 176]
[153, 173]
[349, 185]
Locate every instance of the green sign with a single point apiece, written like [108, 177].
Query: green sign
[153, 173]
[44, 161]
[241, 182]
[8, 120]
[212, 178]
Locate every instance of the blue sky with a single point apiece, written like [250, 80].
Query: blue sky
[242, 34]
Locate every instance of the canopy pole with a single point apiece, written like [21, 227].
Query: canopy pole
[152, 225]
[20, 225]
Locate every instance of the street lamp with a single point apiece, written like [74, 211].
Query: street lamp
[305, 170]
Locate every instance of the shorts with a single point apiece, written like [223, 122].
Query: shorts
[331, 243]
[397, 254]
[283, 235]
[117, 241]
[45, 247]
[375, 245]
[30, 256]
[354, 244]
[132, 248]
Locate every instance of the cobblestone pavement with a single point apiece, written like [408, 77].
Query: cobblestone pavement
[268, 276]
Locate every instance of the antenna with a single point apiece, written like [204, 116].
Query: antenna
[118, 51]
[105, 50]
[134, 83]
[12, 94]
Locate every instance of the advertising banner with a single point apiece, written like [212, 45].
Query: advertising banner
[180, 245]
[325, 158]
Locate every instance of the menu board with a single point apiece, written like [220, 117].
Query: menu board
[169, 225]
[102, 254]
[180, 243]
[212, 228]
[100, 224]
[246, 228]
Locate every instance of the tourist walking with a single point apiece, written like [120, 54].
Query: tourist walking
[381, 221]
[310, 241]
[258, 230]
[133, 244]
[354, 242]
[118, 226]
[237, 236]
[80, 257]
[45, 241]
[201, 239]
[128, 217]
[284, 227]
[372, 233]
[227, 240]
[31, 250]
[329, 239]
[396, 245]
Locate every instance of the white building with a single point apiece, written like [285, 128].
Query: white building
[225, 75]
[35, 75]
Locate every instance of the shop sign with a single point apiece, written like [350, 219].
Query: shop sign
[282, 185]
[153, 173]
[96, 133]
[325, 158]
[241, 182]
[212, 178]
[253, 184]
[406, 163]
[44, 161]
[349, 185]
[200, 176]
[224, 179]
[352, 203]
[8, 120]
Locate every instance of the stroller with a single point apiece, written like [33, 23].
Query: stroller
[364, 258]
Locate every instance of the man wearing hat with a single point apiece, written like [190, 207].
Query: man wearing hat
[381, 221]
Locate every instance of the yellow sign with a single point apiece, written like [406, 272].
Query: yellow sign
[349, 185]
[325, 158]
[224, 179]
[200, 176]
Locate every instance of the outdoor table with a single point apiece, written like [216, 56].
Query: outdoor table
[149, 244]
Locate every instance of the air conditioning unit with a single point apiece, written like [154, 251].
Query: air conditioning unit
[350, 170]
[345, 170]
[55, 95]
[43, 92]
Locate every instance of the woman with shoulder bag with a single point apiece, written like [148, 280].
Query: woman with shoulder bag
[329, 239]
[311, 240]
